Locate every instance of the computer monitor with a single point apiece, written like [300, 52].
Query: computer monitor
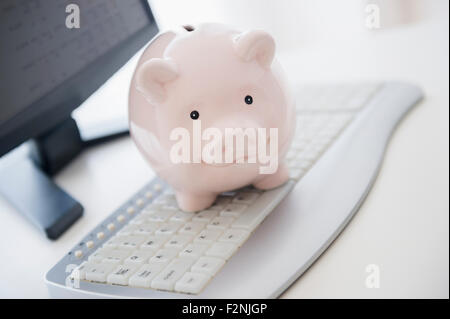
[48, 67]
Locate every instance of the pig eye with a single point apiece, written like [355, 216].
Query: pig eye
[195, 115]
[248, 99]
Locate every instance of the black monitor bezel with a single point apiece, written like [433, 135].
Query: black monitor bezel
[57, 105]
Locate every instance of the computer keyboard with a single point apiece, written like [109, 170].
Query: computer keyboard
[150, 244]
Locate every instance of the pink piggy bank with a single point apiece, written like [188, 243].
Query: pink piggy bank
[210, 110]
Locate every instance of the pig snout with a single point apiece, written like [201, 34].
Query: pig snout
[239, 141]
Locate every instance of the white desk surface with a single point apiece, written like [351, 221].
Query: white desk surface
[403, 226]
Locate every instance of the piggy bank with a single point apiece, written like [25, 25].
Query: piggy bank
[210, 110]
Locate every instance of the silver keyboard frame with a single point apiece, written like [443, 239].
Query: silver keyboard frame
[298, 231]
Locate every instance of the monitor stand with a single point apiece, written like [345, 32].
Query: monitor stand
[27, 184]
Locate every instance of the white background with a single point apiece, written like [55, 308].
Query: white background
[403, 224]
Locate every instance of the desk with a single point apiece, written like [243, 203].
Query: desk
[402, 226]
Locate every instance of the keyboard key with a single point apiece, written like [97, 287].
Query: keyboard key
[166, 209]
[171, 206]
[205, 216]
[317, 146]
[167, 229]
[137, 258]
[220, 202]
[245, 198]
[324, 141]
[161, 216]
[233, 210]
[221, 250]
[163, 256]
[356, 102]
[127, 230]
[113, 242]
[298, 145]
[250, 219]
[207, 236]
[115, 256]
[291, 154]
[146, 228]
[144, 276]
[193, 250]
[130, 242]
[165, 199]
[296, 173]
[169, 190]
[97, 272]
[192, 228]
[178, 241]
[181, 217]
[208, 265]
[151, 208]
[79, 272]
[99, 255]
[310, 155]
[120, 275]
[153, 243]
[220, 223]
[192, 283]
[234, 236]
[303, 163]
[167, 278]
[139, 219]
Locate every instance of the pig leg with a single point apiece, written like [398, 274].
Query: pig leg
[194, 202]
[273, 180]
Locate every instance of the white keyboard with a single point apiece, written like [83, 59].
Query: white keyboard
[148, 243]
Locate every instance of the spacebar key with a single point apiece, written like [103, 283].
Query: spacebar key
[256, 213]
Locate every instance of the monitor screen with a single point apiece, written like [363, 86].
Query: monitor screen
[39, 52]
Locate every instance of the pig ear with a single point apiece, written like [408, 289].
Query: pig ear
[152, 76]
[257, 45]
